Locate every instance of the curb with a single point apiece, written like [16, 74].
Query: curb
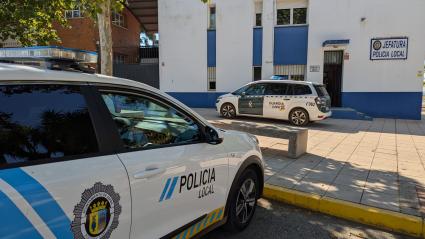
[385, 219]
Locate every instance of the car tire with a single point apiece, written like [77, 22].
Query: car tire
[299, 117]
[227, 110]
[243, 201]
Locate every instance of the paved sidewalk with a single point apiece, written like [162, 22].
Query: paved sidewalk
[377, 163]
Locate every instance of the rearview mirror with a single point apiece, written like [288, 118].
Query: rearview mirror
[212, 136]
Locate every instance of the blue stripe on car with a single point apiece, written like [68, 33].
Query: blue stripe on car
[167, 184]
[14, 223]
[173, 185]
[40, 199]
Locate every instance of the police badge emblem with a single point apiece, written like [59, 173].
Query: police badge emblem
[96, 216]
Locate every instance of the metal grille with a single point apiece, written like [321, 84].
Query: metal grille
[294, 72]
[333, 57]
[211, 75]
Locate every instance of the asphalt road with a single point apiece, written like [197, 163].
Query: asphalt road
[276, 220]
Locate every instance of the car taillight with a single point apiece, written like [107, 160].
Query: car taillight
[321, 104]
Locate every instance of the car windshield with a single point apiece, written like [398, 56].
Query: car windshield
[239, 91]
[321, 90]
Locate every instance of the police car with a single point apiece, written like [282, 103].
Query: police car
[91, 156]
[297, 101]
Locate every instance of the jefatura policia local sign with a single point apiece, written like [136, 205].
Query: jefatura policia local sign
[389, 48]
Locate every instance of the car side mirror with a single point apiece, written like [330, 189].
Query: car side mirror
[212, 136]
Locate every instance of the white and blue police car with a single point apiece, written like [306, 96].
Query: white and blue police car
[91, 156]
[300, 102]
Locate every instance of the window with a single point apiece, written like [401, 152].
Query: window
[290, 72]
[257, 73]
[297, 77]
[118, 19]
[297, 89]
[276, 89]
[212, 18]
[258, 22]
[240, 90]
[43, 122]
[321, 90]
[120, 58]
[256, 89]
[300, 16]
[212, 79]
[143, 122]
[283, 16]
[74, 13]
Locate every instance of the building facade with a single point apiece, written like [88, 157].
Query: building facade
[83, 34]
[368, 53]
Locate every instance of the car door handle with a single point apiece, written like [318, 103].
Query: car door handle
[149, 172]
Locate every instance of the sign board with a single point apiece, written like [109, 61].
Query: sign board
[394, 48]
[346, 56]
[315, 68]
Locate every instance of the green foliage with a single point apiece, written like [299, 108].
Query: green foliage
[31, 21]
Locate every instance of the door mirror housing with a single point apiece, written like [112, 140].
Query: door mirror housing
[212, 136]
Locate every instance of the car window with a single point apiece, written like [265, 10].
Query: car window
[276, 89]
[321, 90]
[240, 90]
[143, 122]
[298, 89]
[256, 89]
[42, 122]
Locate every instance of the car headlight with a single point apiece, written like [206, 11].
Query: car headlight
[254, 138]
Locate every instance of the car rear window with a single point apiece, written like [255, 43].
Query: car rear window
[298, 89]
[321, 90]
[43, 122]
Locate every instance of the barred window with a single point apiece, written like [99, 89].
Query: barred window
[74, 13]
[212, 79]
[118, 19]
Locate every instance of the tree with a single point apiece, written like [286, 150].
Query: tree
[101, 10]
[31, 22]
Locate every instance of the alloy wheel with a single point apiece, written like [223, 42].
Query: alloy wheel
[245, 202]
[228, 111]
[298, 117]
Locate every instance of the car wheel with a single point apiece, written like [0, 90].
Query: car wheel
[228, 111]
[243, 201]
[299, 117]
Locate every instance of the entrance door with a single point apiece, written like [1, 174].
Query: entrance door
[332, 75]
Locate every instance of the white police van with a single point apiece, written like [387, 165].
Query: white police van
[91, 156]
[299, 102]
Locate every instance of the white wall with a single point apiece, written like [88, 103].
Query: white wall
[183, 45]
[234, 31]
[340, 19]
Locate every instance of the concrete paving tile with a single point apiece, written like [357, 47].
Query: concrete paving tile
[381, 200]
[345, 192]
[350, 181]
[327, 177]
[277, 164]
[312, 186]
[282, 180]
[378, 187]
[383, 175]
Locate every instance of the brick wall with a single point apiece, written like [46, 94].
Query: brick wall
[83, 34]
